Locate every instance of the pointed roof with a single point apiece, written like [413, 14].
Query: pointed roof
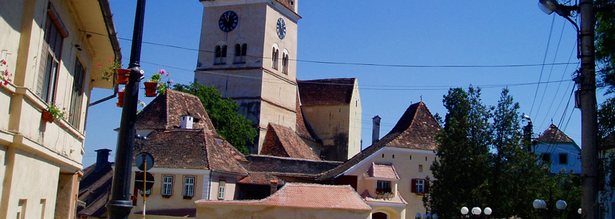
[416, 129]
[554, 135]
[299, 195]
[335, 91]
[166, 110]
[192, 149]
[284, 142]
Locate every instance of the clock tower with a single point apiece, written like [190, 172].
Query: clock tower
[247, 52]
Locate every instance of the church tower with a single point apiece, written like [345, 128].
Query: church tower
[247, 52]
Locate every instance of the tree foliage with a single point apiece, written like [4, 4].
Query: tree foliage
[482, 161]
[234, 127]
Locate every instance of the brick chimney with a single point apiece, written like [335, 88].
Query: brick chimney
[102, 158]
[274, 185]
[376, 129]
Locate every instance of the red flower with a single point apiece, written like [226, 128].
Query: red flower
[99, 65]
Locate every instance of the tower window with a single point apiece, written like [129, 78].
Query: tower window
[285, 62]
[240, 53]
[274, 57]
[220, 55]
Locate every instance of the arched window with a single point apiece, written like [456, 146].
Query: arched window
[220, 55]
[274, 56]
[285, 62]
[240, 53]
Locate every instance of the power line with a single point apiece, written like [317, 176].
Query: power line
[543, 67]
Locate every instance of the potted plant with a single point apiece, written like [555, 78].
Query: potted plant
[122, 75]
[53, 112]
[120, 98]
[108, 72]
[154, 84]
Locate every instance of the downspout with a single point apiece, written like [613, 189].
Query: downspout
[115, 43]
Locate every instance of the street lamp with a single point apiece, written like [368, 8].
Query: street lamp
[547, 210]
[586, 97]
[476, 211]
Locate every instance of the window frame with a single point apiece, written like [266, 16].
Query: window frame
[221, 189]
[53, 41]
[76, 98]
[220, 53]
[382, 185]
[189, 187]
[166, 189]
[419, 186]
[565, 156]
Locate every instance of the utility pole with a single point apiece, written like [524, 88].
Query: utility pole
[120, 204]
[587, 97]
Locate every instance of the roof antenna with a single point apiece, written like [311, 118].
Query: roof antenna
[421, 98]
[551, 120]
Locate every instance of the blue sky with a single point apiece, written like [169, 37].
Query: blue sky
[401, 52]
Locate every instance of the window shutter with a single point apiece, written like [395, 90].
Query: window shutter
[413, 186]
[427, 185]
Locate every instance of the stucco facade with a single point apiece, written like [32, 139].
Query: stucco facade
[51, 58]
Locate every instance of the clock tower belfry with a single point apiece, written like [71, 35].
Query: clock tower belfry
[247, 52]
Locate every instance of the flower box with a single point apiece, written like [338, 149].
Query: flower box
[47, 116]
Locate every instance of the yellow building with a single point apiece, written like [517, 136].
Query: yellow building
[49, 51]
[391, 175]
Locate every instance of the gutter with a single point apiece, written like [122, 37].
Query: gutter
[115, 43]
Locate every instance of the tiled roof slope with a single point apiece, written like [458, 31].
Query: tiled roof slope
[94, 190]
[554, 135]
[303, 129]
[260, 178]
[283, 142]
[336, 91]
[313, 196]
[382, 171]
[165, 112]
[272, 164]
[416, 129]
[192, 149]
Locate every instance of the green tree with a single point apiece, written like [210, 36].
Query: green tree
[512, 163]
[462, 154]
[235, 128]
[605, 43]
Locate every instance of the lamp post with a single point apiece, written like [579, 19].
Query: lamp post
[120, 205]
[586, 97]
[476, 211]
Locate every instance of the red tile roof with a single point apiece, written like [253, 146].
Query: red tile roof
[165, 112]
[180, 212]
[337, 91]
[382, 171]
[314, 196]
[554, 135]
[416, 129]
[260, 178]
[284, 142]
[192, 149]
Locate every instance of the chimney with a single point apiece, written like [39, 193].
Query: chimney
[376, 129]
[186, 122]
[274, 185]
[102, 158]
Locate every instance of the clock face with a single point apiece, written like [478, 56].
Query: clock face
[281, 28]
[228, 21]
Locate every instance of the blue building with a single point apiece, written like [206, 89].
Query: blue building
[561, 151]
